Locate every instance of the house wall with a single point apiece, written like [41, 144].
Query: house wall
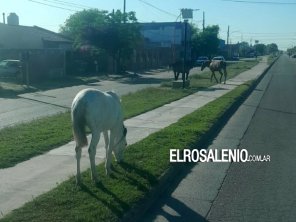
[46, 64]
[42, 64]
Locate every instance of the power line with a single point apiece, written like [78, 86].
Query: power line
[62, 3]
[261, 2]
[54, 6]
[159, 9]
[71, 4]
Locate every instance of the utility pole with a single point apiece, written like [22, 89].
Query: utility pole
[228, 48]
[124, 7]
[203, 21]
[228, 35]
[3, 14]
[186, 14]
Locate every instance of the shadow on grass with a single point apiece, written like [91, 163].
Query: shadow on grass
[141, 173]
[67, 81]
[117, 211]
[176, 210]
[8, 94]
[119, 207]
[136, 79]
[12, 88]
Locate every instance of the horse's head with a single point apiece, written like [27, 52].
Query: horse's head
[120, 144]
[205, 64]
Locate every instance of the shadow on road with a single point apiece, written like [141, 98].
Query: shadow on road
[178, 212]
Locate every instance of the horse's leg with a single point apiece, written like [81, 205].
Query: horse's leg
[92, 154]
[221, 75]
[225, 76]
[106, 138]
[213, 74]
[78, 156]
[175, 75]
[109, 153]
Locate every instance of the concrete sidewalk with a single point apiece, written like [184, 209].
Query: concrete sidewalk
[31, 178]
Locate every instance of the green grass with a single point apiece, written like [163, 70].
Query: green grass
[201, 81]
[150, 98]
[12, 87]
[271, 58]
[21, 142]
[130, 182]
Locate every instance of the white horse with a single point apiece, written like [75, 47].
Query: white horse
[100, 112]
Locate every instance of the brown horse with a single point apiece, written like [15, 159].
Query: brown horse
[178, 67]
[216, 65]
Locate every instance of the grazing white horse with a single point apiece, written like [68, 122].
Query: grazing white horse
[216, 65]
[100, 112]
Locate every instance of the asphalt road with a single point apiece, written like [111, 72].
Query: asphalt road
[255, 191]
[29, 106]
[265, 191]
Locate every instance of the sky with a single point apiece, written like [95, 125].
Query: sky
[268, 21]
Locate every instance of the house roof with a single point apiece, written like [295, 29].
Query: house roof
[28, 37]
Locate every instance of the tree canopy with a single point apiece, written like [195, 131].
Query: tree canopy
[116, 33]
[205, 42]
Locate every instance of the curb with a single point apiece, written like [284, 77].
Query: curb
[167, 178]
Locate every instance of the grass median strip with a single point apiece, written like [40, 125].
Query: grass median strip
[24, 141]
[130, 181]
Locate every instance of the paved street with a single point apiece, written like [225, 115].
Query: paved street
[264, 191]
[29, 106]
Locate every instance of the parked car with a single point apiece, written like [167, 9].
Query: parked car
[294, 56]
[10, 68]
[200, 60]
[221, 58]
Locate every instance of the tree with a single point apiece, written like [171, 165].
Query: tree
[272, 48]
[291, 51]
[115, 33]
[260, 49]
[205, 42]
[244, 49]
[77, 24]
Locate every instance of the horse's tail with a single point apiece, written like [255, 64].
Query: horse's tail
[78, 122]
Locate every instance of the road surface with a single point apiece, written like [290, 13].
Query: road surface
[256, 191]
[265, 191]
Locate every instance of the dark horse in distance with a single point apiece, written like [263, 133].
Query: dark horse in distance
[178, 67]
